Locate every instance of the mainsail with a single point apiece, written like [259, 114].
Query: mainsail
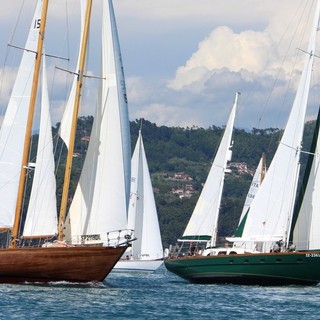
[11, 145]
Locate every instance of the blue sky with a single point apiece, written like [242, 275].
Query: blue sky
[183, 59]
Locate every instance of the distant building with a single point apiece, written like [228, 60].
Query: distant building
[181, 176]
[240, 167]
[186, 192]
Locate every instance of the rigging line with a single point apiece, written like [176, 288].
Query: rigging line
[304, 9]
[46, 54]
[77, 74]
[309, 53]
[270, 56]
[7, 52]
[18, 19]
[311, 153]
[297, 149]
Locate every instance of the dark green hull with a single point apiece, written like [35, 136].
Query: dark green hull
[286, 268]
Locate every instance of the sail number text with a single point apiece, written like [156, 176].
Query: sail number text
[312, 255]
[36, 24]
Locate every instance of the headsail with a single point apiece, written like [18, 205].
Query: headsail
[254, 187]
[204, 219]
[41, 217]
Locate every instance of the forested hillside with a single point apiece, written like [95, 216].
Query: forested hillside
[179, 161]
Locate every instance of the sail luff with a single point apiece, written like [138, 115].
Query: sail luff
[25, 156]
[123, 103]
[67, 176]
[204, 219]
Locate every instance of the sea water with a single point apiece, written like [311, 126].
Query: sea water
[159, 295]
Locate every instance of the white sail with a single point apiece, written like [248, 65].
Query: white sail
[306, 231]
[11, 145]
[237, 240]
[66, 121]
[142, 214]
[255, 184]
[41, 217]
[271, 210]
[204, 219]
[101, 199]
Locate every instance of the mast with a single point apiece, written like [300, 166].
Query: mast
[67, 175]
[25, 156]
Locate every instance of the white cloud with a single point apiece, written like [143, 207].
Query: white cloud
[184, 59]
[224, 49]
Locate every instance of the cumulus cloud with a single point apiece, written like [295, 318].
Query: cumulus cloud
[184, 60]
[249, 61]
[224, 49]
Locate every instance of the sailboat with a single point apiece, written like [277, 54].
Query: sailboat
[201, 231]
[272, 226]
[146, 252]
[49, 260]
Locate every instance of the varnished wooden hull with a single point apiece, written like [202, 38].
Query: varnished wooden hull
[73, 264]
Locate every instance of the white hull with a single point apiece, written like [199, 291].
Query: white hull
[138, 265]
